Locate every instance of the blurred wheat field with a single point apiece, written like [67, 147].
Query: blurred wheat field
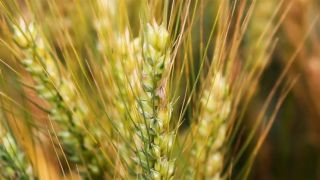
[159, 89]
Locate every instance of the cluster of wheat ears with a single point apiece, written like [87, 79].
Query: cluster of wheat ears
[134, 89]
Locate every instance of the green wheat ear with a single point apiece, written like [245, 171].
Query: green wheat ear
[13, 161]
[155, 138]
[68, 110]
[208, 151]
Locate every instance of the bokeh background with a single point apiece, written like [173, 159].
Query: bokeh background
[292, 149]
